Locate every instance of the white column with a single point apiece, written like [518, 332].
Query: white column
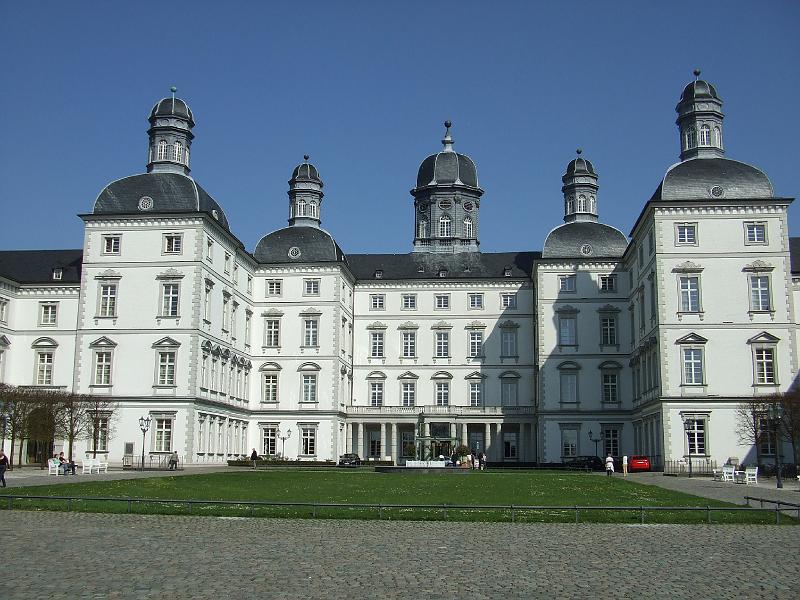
[521, 446]
[464, 438]
[394, 442]
[487, 441]
[348, 437]
[383, 440]
[499, 445]
[360, 449]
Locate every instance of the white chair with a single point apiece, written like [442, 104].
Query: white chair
[53, 467]
[751, 475]
[728, 473]
[102, 465]
[87, 465]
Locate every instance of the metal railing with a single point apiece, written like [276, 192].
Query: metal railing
[445, 510]
[700, 466]
[777, 503]
[429, 409]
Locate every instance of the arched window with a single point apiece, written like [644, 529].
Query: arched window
[581, 203]
[593, 205]
[422, 229]
[301, 208]
[178, 152]
[186, 156]
[445, 229]
[691, 138]
[570, 205]
[162, 150]
[469, 229]
[705, 135]
[717, 137]
[312, 209]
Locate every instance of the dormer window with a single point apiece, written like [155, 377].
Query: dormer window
[705, 135]
[442, 272]
[507, 272]
[57, 274]
[378, 274]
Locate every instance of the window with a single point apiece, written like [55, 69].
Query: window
[227, 263]
[442, 344]
[173, 243]
[567, 331]
[274, 287]
[651, 246]
[312, 209]
[178, 152]
[249, 284]
[442, 301]
[755, 233]
[409, 344]
[476, 301]
[270, 440]
[57, 274]
[376, 393]
[408, 393]
[717, 137]
[102, 368]
[696, 437]
[510, 445]
[169, 299]
[248, 326]
[377, 302]
[765, 366]
[508, 391]
[766, 437]
[311, 287]
[686, 234]
[608, 331]
[442, 393]
[445, 229]
[48, 313]
[705, 135]
[270, 384]
[98, 439]
[376, 344]
[690, 138]
[581, 203]
[207, 305]
[692, 366]
[475, 344]
[759, 293]
[566, 283]
[44, 368]
[234, 310]
[162, 150]
[308, 435]
[476, 393]
[3, 310]
[209, 249]
[111, 244]
[309, 388]
[569, 443]
[469, 228]
[422, 229]
[508, 300]
[608, 283]
[166, 368]
[611, 441]
[610, 387]
[310, 332]
[301, 208]
[108, 300]
[163, 435]
[508, 341]
[409, 302]
[569, 386]
[690, 293]
[272, 331]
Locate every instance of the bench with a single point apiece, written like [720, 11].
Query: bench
[729, 473]
[54, 467]
[751, 475]
[94, 465]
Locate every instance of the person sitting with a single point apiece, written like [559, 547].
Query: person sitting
[67, 465]
[173, 461]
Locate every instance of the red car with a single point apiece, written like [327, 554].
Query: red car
[639, 463]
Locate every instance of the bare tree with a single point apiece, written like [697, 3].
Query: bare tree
[17, 406]
[97, 409]
[790, 423]
[750, 416]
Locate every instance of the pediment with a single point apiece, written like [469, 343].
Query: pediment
[609, 365]
[376, 325]
[510, 375]
[4, 341]
[102, 342]
[170, 274]
[608, 308]
[408, 375]
[272, 312]
[441, 375]
[408, 325]
[270, 366]
[476, 375]
[309, 311]
[441, 325]
[309, 366]
[691, 338]
[166, 342]
[44, 342]
[109, 274]
[475, 325]
[567, 308]
[376, 375]
[758, 266]
[509, 324]
[764, 338]
[687, 267]
[568, 365]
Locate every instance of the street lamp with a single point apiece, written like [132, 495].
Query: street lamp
[283, 437]
[595, 440]
[687, 427]
[775, 417]
[144, 425]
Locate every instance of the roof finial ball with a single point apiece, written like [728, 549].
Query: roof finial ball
[306, 157]
[696, 73]
[579, 151]
[448, 140]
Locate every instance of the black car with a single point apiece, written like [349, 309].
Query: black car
[349, 460]
[586, 463]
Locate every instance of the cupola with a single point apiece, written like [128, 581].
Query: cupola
[170, 135]
[305, 195]
[580, 190]
[700, 120]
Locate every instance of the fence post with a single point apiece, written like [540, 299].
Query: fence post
[69, 504]
[380, 512]
[251, 510]
[708, 512]
[444, 510]
[747, 500]
[191, 508]
[513, 514]
[777, 515]
[577, 514]
[10, 503]
[129, 506]
[641, 514]
[314, 510]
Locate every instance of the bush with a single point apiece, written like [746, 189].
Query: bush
[462, 450]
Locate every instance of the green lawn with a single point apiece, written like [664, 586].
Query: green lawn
[539, 488]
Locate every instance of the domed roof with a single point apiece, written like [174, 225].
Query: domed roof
[584, 239]
[579, 166]
[298, 244]
[305, 172]
[172, 107]
[704, 178]
[157, 193]
[698, 90]
[447, 167]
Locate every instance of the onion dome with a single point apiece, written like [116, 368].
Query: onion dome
[172, 107]
[580, 190]
[579, 166]
[698, 90]
[447, 167]
[305, 172]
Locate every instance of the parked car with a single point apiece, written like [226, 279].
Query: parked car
[586, 463]
[349, 460]
[639, 463]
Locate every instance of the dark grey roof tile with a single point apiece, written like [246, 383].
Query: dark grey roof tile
[36, 266]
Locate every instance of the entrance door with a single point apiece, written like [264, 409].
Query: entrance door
[476, 442]
[441, 448]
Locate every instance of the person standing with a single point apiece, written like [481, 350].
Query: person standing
[3, 467]
[254, 457]
[625, 465]
[609, 465]
[173, 461]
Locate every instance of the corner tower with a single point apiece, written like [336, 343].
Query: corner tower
[170, 134]
[700, 120]
[305, 195]
[447, 202]
[580, 190]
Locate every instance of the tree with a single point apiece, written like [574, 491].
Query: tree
[96, 410]
[16, 406]
[750, 418]
[789, 403]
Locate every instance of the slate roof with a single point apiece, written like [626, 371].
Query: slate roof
[305, 172]
[447, 167]
[36, 266]
[693, 179]
[566, 241]
[698, 90]
[315, 245]
[170, 193]
[167, 107]
[423, 265]
[794, 254]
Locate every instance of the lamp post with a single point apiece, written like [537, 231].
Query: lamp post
[687, 427]
[283, 437]
[144, 425]
[4, 418]
[595, 440]
[775, 417]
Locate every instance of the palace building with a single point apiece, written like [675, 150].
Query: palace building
[643, 343]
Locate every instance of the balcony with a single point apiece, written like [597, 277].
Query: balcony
[446, 411]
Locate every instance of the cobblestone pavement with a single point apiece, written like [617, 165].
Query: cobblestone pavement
[141, 557]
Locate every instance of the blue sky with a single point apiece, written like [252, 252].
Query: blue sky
[363, 87]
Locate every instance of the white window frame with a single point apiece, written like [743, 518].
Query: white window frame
[166, 367]
[508, 300]
[409, 302]
[608, 330]
[765, 370]
[4, 306]
[45, 366]
[376, 393]
[509, 343]
[173, 243]
[509, 391]
[754, 227]
[682, 237]
[102, 373]
[272, 333]
[270, 382]
[442, 344]
[685, 293]
[409, 344]
[162, 434]
[445, 227]
[377, 346]
[441, 301]
[308, 382]
[107, 303]
[310, 332]
[48, 317]
[112, 244]
[475, 301]
[568, 385]
[475, 392]
[311, 286]
[567, 284]
[572, 338]
[273, 288]
[442, 393]
[308, 439]
[475, 343]
[170, 302]
[377, 302]
[569, 442]
[697, 357]
[609, 386]
[408, 393]
[607, 283]
[759, 293]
